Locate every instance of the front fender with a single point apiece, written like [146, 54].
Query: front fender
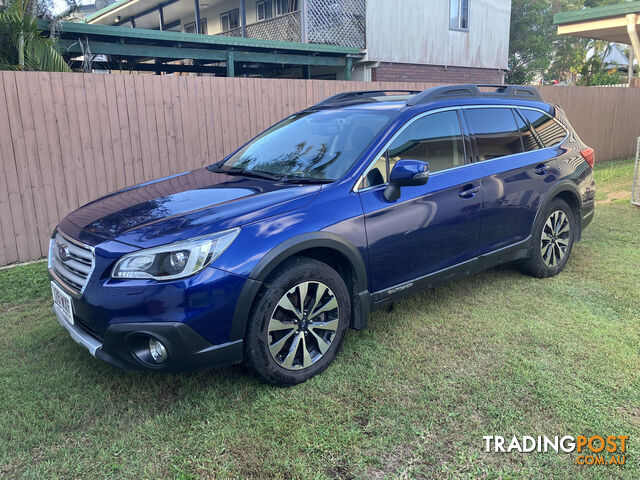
[306, 241]
[289, 248]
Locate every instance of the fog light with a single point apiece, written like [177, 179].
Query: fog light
[157, 350]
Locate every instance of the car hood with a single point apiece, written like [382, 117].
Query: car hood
[183, 206]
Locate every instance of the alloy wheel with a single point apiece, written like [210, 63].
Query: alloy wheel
[554, 241]
[303, 325]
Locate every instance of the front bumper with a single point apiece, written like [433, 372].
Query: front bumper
[124, 346]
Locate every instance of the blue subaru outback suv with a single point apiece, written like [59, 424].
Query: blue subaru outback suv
[269, 255]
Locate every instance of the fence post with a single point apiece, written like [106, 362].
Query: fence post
[230, 65]
[347, 70]
[303, 23]
[630, 69]
[635, 189]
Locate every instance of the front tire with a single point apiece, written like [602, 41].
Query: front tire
[298, 322]
[553, 238]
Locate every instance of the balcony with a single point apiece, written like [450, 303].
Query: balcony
[328, 22]
[285, 28]
[323, 22]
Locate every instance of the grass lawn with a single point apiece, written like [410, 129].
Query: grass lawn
[411, 396]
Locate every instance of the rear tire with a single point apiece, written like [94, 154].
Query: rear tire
[298, 322]
[552, 240]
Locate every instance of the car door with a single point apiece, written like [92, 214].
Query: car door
[515, 171]
[430, 227]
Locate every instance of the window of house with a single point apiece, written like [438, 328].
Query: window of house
[191, 27]
[286, 6]
[264, 10]
[230, 20]
[495, 131]
[459, 14]
[549, 130]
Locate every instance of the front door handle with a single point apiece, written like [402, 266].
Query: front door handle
[469, 191]
[541, 169]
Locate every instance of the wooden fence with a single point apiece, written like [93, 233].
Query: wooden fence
[66, 139]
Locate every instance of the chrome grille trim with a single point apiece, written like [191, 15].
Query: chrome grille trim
[74, 272]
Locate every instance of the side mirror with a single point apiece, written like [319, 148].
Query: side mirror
[406, 173]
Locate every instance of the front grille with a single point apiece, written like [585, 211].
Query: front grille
[71, 261]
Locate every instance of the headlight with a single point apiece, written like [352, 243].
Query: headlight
[175, 260]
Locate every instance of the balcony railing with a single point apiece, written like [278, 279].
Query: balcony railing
[285, 28]
[327, 22]
[332, 22]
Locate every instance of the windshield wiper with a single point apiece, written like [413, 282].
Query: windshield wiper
[244, 173]
[318, 181]
[269, 176]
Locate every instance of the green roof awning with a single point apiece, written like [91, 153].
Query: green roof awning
[596, 13]
[139, 35]
[140, 49]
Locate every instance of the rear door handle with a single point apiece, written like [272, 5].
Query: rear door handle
[541, 169]
[469, 191]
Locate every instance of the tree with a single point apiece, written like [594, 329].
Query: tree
[536, 51]
[530, 40]
[22, 46]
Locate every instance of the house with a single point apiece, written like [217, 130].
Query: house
[449, 41]
[613, 57]
[406, 40]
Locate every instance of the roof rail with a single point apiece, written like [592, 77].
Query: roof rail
[446, 92]
[362, 94]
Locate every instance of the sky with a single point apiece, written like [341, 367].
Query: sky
[60, 5]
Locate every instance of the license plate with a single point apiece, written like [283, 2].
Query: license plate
[63, 302]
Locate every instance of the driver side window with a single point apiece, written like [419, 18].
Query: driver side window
[436, 139]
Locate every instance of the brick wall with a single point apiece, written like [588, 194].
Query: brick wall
[410, 72]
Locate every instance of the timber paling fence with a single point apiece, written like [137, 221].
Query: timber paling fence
[68, 138]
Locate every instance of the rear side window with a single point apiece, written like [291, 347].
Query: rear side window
[549, 130]
[529, 140]
[495, 131]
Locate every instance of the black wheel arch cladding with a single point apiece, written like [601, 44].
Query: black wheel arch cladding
[297, 246]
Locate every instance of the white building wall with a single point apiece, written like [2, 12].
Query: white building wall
[417, 31]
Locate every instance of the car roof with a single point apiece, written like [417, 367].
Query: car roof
[437, 97]
[401, 107]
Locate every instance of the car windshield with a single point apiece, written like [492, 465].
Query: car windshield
[318, 145]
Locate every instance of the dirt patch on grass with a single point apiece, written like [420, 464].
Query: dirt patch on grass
[630, 415]
[613, 196]
[12, 468]
[402, 461]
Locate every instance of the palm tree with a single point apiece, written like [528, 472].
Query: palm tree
[22, 46]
